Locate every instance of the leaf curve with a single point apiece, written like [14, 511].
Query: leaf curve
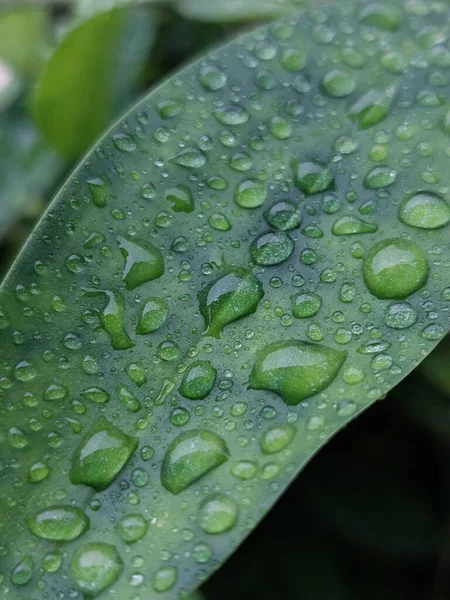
[278, 136]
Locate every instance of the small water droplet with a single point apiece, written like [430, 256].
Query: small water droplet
[400, 315]
[112, 318]
[95, 567]
[198, 380]
[190, 158]
[380, 177]
[132, 527]
[305, 304]
[312, 177]
[232, 115]
[276, 438]
[250, 194]
[271, 248]
[153, 316]
[338, 83]
[218, 514]
[180, 198]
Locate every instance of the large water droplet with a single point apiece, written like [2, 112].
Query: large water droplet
[217, 514]
[58, 523]
[305, 304]
[190, 456]
[250, 194]
[23, 571]
[425, 210]
[283, 216]
[276, 438]
[190, 158]
[212, 78]
[180, 198]
[95, 567]
[232, 115]
[164, 579]
[295, 370]
[312, 177]
[101, 455]
[271, 248]
[143, 263]
[400, 315]
[380, 15]
[112, 318]
[132, 527]
[351, 225]
[371, 108]
[198, 380]
[230, 298]
[394, 269]
[339, 84]
[153, 316]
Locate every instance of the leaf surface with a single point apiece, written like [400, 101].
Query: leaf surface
[241, 265]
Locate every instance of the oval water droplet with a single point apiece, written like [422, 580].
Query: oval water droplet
[380, 177]
[124, 142]
[153, 315]
[295, 370]
[95, 394]
[372, 108]
[283, 216]
[338, 83]
[212, 78]
[218, 514]
[400, 315]
[95, 567]
[250, 194]
[232, 115]
[394, 269]
[312, 177]
[180, 198]
[425, 210]
[271, 248]
[128, 399]
[190, 158]
[351, 225]
[198, 380]
[112, 318]
[276, 438]
[58, 523]
[231, 297]
[219, 222]
[305, 304]
[380, 15]
[23, 571]
[164, 579]
[190, 456]
[99, 192]
[132, 527]
[101, 455]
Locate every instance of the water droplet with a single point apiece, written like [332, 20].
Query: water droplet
[276, 438]
[283, 216]
[101, 455]
[99, 192]
[312, 177]
[191, 158]
[17, 438]
[425, 210]
[231, 115]
[244, 469]
[217, 514]
[250, 194]
[305, 304]
[371, 108]
[190, 456]
[112, 318]
[38, 471]
[338, 84]
[198, 380]
[280, 128]
[170, 108]
[58, 523]
[128, 399]
[231, 297]
[23, 571]
[52, 561]
[144, 262]
[124, 142]
[380, 15]
[164, 579]
[180, 198]
[25, 371]
[169, 351]
[400, 315]
[350, 225]
[212, 78]
[153, 316]
[95, 567]
[271, 248]
[219, 222]
[380, 177]
[95, 394]
[295, 370]
[394, 269]
[132, 527]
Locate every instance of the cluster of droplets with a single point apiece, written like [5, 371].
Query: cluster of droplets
[228, 324]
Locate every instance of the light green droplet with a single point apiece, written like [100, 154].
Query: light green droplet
[124, 142]
[128, 399]
[136, 372]
[394, 269]
[112, 318]
[164, 579]
[283, 216]
[180, 198]
[425, 210]
[219, 222]
[338, 84]
[380, 177]
[101, 455]
[58, 523]
[95, 394]
[250, 194]
[190, 456]
[169, 351]
[23, 571]
[95, 567]
[99, 192]
[244, 469]
[305, 304]
[132, 527]
[312, 177]
[352, 226]
[380, 15]
[276, 438]
[232, 115]
[372, 108]
[231, 297]
[38, 471]
[271, 248]
[295, 370]
[212, 78]
[198, 380]
[153, 316]
[217, 514]
[280, 128]
[143, 263]
[190, 158]
[400, 315]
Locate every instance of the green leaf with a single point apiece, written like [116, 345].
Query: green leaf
[436, 367]
[252, 125]
[89, 75]
[236, 10]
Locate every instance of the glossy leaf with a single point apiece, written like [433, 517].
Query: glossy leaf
[258, 122]
[236, 10]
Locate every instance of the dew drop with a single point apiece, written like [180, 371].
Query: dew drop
[132, 527]
[58, 523]
[212, 78]
[425, 210]
[143, 263]
[190, 158]
[350, 225]
[198, 380]
[380, 177]
[276, 438]
[283, 216]
[99, 192]
[400, 315]
[23, 571]
[305, 304]
[232, 115]
[112, 318]
[218, 514]
[95, 567]
[250, 194]
[338, 83]
[180, 198]
[271, 248]
[312, 177]
[380, 15]
[164, 579]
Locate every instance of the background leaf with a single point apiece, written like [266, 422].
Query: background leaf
[188, 182]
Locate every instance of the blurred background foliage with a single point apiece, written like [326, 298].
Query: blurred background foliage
[370, 516]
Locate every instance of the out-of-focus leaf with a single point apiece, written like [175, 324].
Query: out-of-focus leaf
[28, 167]
[86, 8]
[23, 38]
[436, 367]
[10, 86]
[373, 508]
[236, 10]
[84, 78]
